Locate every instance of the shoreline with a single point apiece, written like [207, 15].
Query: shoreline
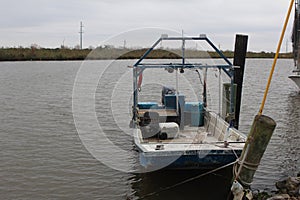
[100, 53]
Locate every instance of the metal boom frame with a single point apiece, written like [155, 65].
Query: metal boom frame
[138, 67]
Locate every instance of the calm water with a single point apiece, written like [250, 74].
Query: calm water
[42, 156]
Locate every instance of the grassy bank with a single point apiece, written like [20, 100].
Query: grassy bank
[25, 54]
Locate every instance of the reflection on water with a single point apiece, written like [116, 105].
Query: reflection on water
[173, 185]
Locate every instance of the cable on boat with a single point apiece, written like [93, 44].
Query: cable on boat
[199, 77]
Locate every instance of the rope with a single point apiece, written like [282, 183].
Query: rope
[247, 165]
[236, 156]
[187, 180]
[199, 77]
[244, 183]
[275, 58]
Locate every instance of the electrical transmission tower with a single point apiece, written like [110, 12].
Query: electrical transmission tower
[81, 33]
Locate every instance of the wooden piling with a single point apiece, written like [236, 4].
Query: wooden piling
[240, 51]
[256, 144]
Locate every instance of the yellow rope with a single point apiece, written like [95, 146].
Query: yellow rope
[275, 58]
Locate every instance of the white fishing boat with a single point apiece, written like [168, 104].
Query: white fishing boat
[174, 133]
[296, 77]
[296, 44]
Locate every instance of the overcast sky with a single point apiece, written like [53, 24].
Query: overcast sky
[51, 23]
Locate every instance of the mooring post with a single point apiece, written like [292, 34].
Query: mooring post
[256, 144]
[240, 51]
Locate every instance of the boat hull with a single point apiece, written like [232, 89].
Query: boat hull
[193, 147]
[209, 159]
[296, 79]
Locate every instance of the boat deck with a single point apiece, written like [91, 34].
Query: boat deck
[191, 135]
[209, 137]
[191, 139]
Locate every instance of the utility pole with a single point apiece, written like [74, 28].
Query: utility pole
[124, 44]
[81, 33]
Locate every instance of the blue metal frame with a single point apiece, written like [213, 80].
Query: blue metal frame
[138, 67]
[202, 37]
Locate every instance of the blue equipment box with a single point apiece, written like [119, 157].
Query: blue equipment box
[170, 101]
[148, 105]
[194, 113]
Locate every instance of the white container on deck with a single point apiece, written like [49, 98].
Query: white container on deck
[170, 128]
